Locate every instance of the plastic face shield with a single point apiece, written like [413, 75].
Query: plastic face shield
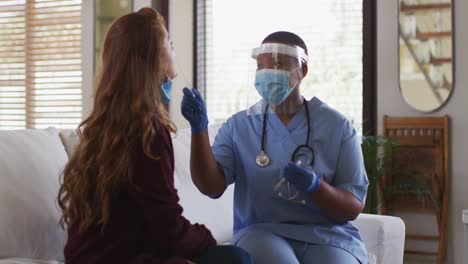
[281, 63]
[278, 56]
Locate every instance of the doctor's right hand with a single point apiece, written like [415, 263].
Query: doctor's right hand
[194, 110]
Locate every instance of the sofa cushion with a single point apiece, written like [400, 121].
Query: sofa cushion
[30, 164]
[216, 214]
[70, 140]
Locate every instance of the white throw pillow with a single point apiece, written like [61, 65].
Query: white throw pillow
[70, 140]
[31, 162]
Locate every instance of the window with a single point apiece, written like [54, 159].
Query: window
[228, 30]
[40, 64]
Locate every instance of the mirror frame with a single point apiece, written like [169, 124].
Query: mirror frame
[452, 18]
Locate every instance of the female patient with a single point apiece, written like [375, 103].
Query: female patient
[118, 197]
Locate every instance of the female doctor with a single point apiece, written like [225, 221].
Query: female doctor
[297, 165]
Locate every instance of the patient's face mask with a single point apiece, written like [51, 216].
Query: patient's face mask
[279, 70]
[166, 90]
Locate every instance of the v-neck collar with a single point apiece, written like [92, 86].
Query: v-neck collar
[275, 123]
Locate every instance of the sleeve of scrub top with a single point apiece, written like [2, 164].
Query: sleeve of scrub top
[223, 151]
[350, 172]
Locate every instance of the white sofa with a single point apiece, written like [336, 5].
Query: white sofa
[30, 164]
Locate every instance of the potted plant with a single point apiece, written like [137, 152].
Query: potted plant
[378, 152]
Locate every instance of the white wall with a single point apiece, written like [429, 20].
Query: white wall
[181, 30]
[391, 103]
[137, 4]
[87, 55]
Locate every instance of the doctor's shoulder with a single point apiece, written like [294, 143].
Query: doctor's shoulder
[332, 118]
[242, 121]
[239, 121]
[229, 125]
[252, 114]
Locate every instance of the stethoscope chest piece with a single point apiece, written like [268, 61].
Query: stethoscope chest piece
[262, 159]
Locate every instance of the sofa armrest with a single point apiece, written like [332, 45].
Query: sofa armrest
[384, 237]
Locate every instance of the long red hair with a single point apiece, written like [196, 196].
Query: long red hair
[127, 98]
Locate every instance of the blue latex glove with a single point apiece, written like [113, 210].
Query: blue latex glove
[305, 179]
[194, 110]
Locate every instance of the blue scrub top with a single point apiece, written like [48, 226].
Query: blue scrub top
[338, 159]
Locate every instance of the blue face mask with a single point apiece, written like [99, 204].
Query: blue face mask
[273, 85]
[166, 89]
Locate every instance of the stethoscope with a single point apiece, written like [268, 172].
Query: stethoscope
[263, 160]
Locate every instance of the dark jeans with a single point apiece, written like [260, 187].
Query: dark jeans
[224, 255]
[212, 255]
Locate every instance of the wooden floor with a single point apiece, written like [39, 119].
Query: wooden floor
[412, 261]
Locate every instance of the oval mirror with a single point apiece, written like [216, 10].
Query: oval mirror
[425, 44]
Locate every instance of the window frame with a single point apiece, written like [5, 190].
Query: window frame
[369, 71]
[369, 63]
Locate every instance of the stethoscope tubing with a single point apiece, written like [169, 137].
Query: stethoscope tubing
[306, 145]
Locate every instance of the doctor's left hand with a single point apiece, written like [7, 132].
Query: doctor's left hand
[305, 179]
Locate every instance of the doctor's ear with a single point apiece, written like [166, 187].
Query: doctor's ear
[305, 69]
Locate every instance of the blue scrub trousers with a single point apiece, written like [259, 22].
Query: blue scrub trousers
[225, 255]
[268, 248]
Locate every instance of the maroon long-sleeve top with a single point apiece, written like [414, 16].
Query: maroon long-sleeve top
[146, 226]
